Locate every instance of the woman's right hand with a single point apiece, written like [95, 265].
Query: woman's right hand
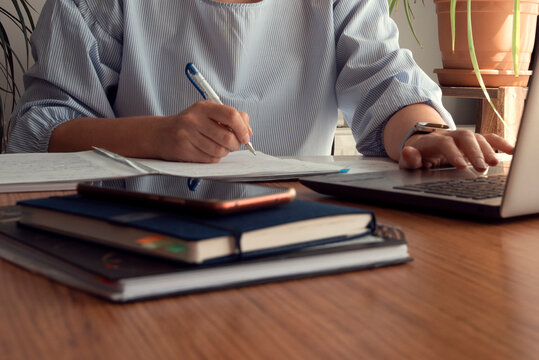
[204, 132]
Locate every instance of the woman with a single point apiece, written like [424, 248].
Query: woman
[109, 73]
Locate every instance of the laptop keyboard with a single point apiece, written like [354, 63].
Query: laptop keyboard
[478, 189]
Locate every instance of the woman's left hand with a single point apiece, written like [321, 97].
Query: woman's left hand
[456, 148]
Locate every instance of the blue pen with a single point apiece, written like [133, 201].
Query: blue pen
[207, 91]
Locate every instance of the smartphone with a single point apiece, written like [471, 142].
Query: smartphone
[185, 193]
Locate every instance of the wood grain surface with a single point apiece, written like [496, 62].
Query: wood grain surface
[472, 292]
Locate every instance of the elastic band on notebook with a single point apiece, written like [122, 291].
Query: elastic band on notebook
[237, 241]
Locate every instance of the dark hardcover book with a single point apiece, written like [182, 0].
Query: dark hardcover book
[122, 276]
[196, 238]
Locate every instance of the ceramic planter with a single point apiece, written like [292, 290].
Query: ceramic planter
[492, 22]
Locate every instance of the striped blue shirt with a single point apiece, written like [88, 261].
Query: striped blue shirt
[290, 64]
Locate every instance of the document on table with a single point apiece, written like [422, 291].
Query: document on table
[244, 166]
[56, 171]
[62, 171]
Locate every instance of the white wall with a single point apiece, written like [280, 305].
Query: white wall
[427, 57]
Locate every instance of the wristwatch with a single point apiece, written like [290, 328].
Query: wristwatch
[423, 127]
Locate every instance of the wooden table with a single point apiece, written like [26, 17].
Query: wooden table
[471, 293]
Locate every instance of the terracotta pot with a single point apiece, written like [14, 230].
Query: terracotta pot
[491, 78]
[492, 22]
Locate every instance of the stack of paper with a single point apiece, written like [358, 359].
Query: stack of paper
[62, 171]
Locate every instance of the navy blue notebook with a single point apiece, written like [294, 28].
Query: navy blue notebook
[122, 276]
[197, 239]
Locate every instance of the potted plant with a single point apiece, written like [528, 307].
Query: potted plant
[11, 62]
[499, 47]
[483, 42]
[496, 31]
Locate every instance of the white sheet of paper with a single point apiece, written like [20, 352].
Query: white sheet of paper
[244, 166]
[61, 171]
[56, 171]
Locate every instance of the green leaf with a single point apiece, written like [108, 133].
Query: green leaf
[23, 26]
[452, 17]
[393, 4]
[516, 36]
[27, 8]
[409, 17]
[8, 58]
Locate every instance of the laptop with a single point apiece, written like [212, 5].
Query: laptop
[515, 183]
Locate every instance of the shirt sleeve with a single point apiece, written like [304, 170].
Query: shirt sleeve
[77, 47]
[375, 78]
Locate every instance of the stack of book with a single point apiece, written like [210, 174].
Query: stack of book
[127, 252]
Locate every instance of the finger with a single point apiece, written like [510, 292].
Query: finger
[198, 156]
[209, 146]
[467, 143]
[229, 117]
[220, 135]
[499, 143]
[247, 121]
[441, 148]
[488, 151]
[199, 129]
[410, 158]
[187, 151]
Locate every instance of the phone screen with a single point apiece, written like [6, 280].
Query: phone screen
[186, 192]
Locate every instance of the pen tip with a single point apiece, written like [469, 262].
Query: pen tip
[251, 148]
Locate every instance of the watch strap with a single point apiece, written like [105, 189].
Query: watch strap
[422, 127]
[414, 130]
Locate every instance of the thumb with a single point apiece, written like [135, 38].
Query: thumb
[410, 158]
[246, 120]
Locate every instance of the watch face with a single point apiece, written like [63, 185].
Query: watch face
[425, 126]
[433, 126]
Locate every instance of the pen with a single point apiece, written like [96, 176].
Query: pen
[207, 91]
[131, 163]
